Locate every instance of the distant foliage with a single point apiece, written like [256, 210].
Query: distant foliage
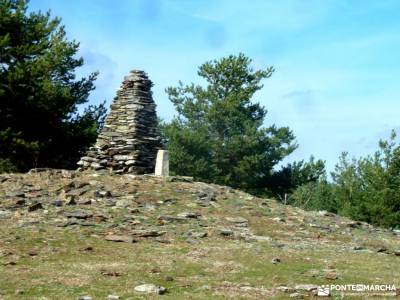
[218, 134]
[366, 189]
[39, 96]
[284, 181]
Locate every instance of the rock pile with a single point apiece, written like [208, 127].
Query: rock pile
[129, 140]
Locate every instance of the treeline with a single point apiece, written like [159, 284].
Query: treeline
[365, 189]
[218, 134]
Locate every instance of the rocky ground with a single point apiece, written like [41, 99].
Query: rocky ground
[69, 235]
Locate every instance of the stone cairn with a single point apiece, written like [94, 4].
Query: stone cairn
[129, 140]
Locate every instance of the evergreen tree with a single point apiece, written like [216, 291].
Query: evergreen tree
[365, 189]
[284, 181]
[39, 94]
[218, 134]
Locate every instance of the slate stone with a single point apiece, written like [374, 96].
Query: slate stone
[15, 193]
[120, 238]
[147, 233]
[150, 289]
[35, 206]
[78, 214]
[57, 203]
[226, 232]
[189, 215]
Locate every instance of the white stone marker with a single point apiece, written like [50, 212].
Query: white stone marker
[162, 163]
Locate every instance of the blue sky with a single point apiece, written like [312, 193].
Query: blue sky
[337, 62]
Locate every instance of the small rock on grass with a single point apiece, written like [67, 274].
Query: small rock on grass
[306, 287]
[296, 295]
[225, 232]
[119, 238]
[275, 260]
[78, 214]
[112, 297]
[331, 275]
[197, 234]
[35, 206]
[85, 298]
[189, 215]
[150, 288]
[238, 221]
[147, 233]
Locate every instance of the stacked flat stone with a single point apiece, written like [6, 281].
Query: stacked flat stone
[129, 140]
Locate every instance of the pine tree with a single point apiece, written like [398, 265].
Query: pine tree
[218, 134]
[39, 94]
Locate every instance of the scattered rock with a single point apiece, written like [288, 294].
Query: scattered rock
[180, 179]
[226, 232]
[147, 233]
[258, 238]
[189, 215]
[359, 248]
[35, 206]
[120, 238]
[102, 194]
[285, 289]
[84, 202]
[20, 202]
[382, 250]
[197, 234]
[169, 201]
[110, 273]
[354, 224]
[57, 203]
[169, 278]
[71, 200]
[306, 287]
[148, 206]
[4, 214]
[79, 191]
[275, 260]
[122, 203]
[112, 297]
[71, 222]
[163, 240]
[279, 219]
[238, 221]
[205, 197]
[150, 289]
[296, 295]
[331, 275]
[4, 178]
[78, 214]
[324, 213]
[167, 218]
[88, 249]
[85, 298]
[15, 193]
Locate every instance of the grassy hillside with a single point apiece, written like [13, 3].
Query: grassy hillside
[67, 235]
